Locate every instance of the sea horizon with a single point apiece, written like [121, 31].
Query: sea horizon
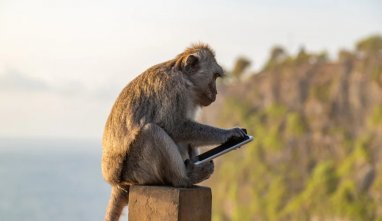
[51, 179]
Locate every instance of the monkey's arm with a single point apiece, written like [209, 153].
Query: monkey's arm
[197, 134]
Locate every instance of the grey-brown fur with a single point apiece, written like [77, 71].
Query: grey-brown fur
[151, 131]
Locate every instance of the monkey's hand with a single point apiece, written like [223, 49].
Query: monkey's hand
[199, 173]
[236, 134]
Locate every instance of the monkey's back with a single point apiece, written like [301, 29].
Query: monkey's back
[149, 98]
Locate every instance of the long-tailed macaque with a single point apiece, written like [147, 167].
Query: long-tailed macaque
[151, 133]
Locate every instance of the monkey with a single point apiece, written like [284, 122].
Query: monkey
[151, 133]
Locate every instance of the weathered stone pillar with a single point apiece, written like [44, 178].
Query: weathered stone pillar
[162, 203]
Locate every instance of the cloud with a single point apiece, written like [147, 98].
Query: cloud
[33, 107]
[15, 81]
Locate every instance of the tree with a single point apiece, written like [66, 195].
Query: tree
[277, 55]
[240, 66]
[372, 44]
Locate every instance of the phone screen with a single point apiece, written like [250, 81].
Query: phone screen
[220, 148]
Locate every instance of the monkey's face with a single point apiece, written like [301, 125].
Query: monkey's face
[203, 73]
[206, 91]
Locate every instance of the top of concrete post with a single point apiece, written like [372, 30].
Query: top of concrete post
[157, 203]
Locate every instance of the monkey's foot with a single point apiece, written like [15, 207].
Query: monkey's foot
[199, 173]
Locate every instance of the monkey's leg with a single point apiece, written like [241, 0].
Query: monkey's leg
[155, 159]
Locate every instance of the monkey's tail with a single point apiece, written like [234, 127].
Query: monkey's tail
[118, 200]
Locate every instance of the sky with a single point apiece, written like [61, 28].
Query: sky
[63, 63]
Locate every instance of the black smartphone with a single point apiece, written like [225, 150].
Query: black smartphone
[222, 149]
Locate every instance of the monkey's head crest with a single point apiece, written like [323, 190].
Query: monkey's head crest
[189, 60]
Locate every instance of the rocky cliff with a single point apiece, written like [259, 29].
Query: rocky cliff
[317, 123]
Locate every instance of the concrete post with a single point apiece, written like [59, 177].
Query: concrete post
[162, 203]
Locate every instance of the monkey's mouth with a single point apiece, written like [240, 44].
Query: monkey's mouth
[207, 98]
[212, 97]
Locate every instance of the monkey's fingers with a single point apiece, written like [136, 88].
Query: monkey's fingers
[243, 132]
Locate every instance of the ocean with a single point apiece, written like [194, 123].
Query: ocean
[50, 179]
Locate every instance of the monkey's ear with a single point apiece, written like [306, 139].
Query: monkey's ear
[191, 64]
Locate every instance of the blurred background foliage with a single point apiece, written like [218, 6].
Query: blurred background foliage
[317, 153]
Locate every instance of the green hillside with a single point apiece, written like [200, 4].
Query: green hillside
[317, 123]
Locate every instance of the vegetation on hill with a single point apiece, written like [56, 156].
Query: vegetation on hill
[317, 153]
